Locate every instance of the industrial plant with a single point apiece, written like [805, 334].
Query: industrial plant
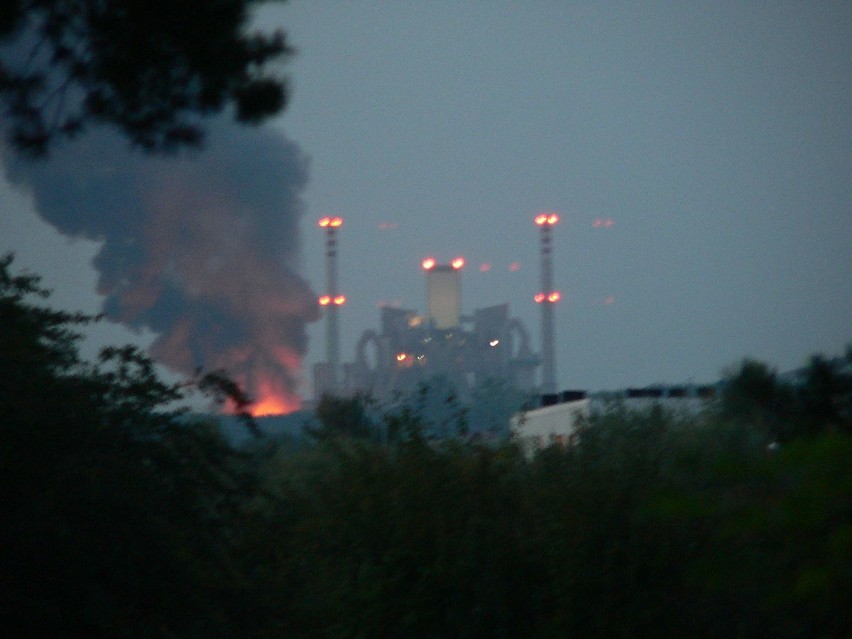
[409, 347]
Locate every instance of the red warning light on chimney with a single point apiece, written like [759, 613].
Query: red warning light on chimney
[551, 298]
[339, 300]
[332, 222]
[457, 263]
[325, 300]
[428, 264]
[546, 219]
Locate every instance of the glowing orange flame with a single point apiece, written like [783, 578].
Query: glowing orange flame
[270, 393]
[270, 406]
[267, 382]
[269, 401]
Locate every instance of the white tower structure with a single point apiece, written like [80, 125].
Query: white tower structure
[547, 297]
[332, 300]
[443, 292]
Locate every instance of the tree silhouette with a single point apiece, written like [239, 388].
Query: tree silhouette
[826, 394]
[152, 68]
[118, 511]
[122, 518]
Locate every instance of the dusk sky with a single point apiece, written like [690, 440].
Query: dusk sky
[716, 138]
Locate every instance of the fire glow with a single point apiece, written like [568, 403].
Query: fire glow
[271, 399]
[200, 250]
[270, 390]
[271, 403]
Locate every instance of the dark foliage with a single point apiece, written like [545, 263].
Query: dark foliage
[119, 515]
[152, 68]
[820, 401]
[353, 417]
[122, 519]
[650, 525]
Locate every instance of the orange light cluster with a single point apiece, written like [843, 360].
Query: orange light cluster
[430, 262]
[332, 222]
[405, 360]
[551, 298]
[546, 219]
[337, 300]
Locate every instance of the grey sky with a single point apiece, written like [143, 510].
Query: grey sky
[716, 136]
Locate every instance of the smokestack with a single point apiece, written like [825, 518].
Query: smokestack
[198, 247]
[443, 292]
[547, 297]
[332, 300]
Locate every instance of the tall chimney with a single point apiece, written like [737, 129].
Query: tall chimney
[443, 292]
[332, 300]
[547, 297]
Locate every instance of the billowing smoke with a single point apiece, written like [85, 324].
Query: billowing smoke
[202, 248]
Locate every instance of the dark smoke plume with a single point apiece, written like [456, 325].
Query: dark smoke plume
[201, 248]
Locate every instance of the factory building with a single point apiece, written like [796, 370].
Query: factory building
[411, 348]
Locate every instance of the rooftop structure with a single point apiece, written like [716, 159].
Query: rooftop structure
[556, 417]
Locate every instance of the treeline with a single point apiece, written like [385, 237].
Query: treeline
[121, 518]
